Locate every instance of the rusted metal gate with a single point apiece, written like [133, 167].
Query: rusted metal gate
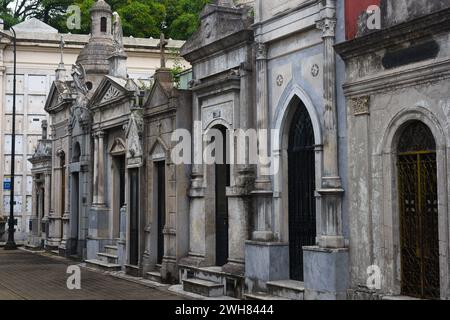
[418, 201]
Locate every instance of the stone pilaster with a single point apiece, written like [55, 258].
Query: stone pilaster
[263, 187]
[95, 177]
[47, 200]
[101, 169]
[325, 267]
[35, 210]
[331, 235]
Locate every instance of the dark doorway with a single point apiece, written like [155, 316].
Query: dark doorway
[418, 204]
[62, 159]
[134, 216]
[222, 180]
[75, 213]
[161, 203]
[301, 177]
[119, 193]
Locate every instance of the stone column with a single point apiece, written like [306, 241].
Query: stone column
[66, 210]
[47, 200]
[326, 268]
[94, 189]
[101, 169]
[35, 210]
[331, 235]
[197, 229]
[263, 187]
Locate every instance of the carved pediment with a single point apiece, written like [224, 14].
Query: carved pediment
[158, 96]
[133, 132]
[60, 93]
[118, 147]
[109, 90]
[158, 150]
[111, 94]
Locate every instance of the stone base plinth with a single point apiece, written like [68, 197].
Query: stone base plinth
[326, 273]
[265, 261]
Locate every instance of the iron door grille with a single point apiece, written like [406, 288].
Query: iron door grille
[419, 224]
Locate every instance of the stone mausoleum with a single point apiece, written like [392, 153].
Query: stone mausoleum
[347, 198]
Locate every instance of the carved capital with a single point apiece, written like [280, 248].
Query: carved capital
[360, 105]
[328, 27]
[261, 51]
[100, 134]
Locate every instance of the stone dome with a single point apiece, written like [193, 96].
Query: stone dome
[94, 56]
[101, 5]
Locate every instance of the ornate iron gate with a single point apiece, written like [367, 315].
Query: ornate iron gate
[418, 213]
[302, 202]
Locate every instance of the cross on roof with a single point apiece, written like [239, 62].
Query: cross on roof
[62, 44]
[162, 46]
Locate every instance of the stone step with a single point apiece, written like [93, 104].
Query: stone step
[33, 247]
[95, 263]
[55, 252]
[262, 296]
[132, 270]
[111, 249]
[401, 298]
[288, 289]
[203, 287]
[107, 257]
[154, 276]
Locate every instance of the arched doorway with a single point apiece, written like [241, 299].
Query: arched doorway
[418, 204]
[301, 179]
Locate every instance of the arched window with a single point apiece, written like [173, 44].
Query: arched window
[103, 24]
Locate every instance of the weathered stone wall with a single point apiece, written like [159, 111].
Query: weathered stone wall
[381, 100]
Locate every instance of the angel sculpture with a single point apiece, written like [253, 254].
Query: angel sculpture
[117, 33]
[80, 109]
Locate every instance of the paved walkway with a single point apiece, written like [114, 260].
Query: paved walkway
[31, 276]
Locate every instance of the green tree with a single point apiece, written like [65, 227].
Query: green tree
[141, 18]
[15, 11]
[183, 17]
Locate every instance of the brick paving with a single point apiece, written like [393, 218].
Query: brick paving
[30, 276]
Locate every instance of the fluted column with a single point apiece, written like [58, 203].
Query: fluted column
[263, 187]
[101, 169]
[330, 166]
[331, 234]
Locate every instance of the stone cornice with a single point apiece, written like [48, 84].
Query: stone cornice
[224, 44]
[427, 73]
[280, 15]
[415, 29]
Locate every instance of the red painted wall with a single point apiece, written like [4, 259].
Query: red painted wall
[353, 9]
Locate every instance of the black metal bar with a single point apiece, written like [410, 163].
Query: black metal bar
[11, 244]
